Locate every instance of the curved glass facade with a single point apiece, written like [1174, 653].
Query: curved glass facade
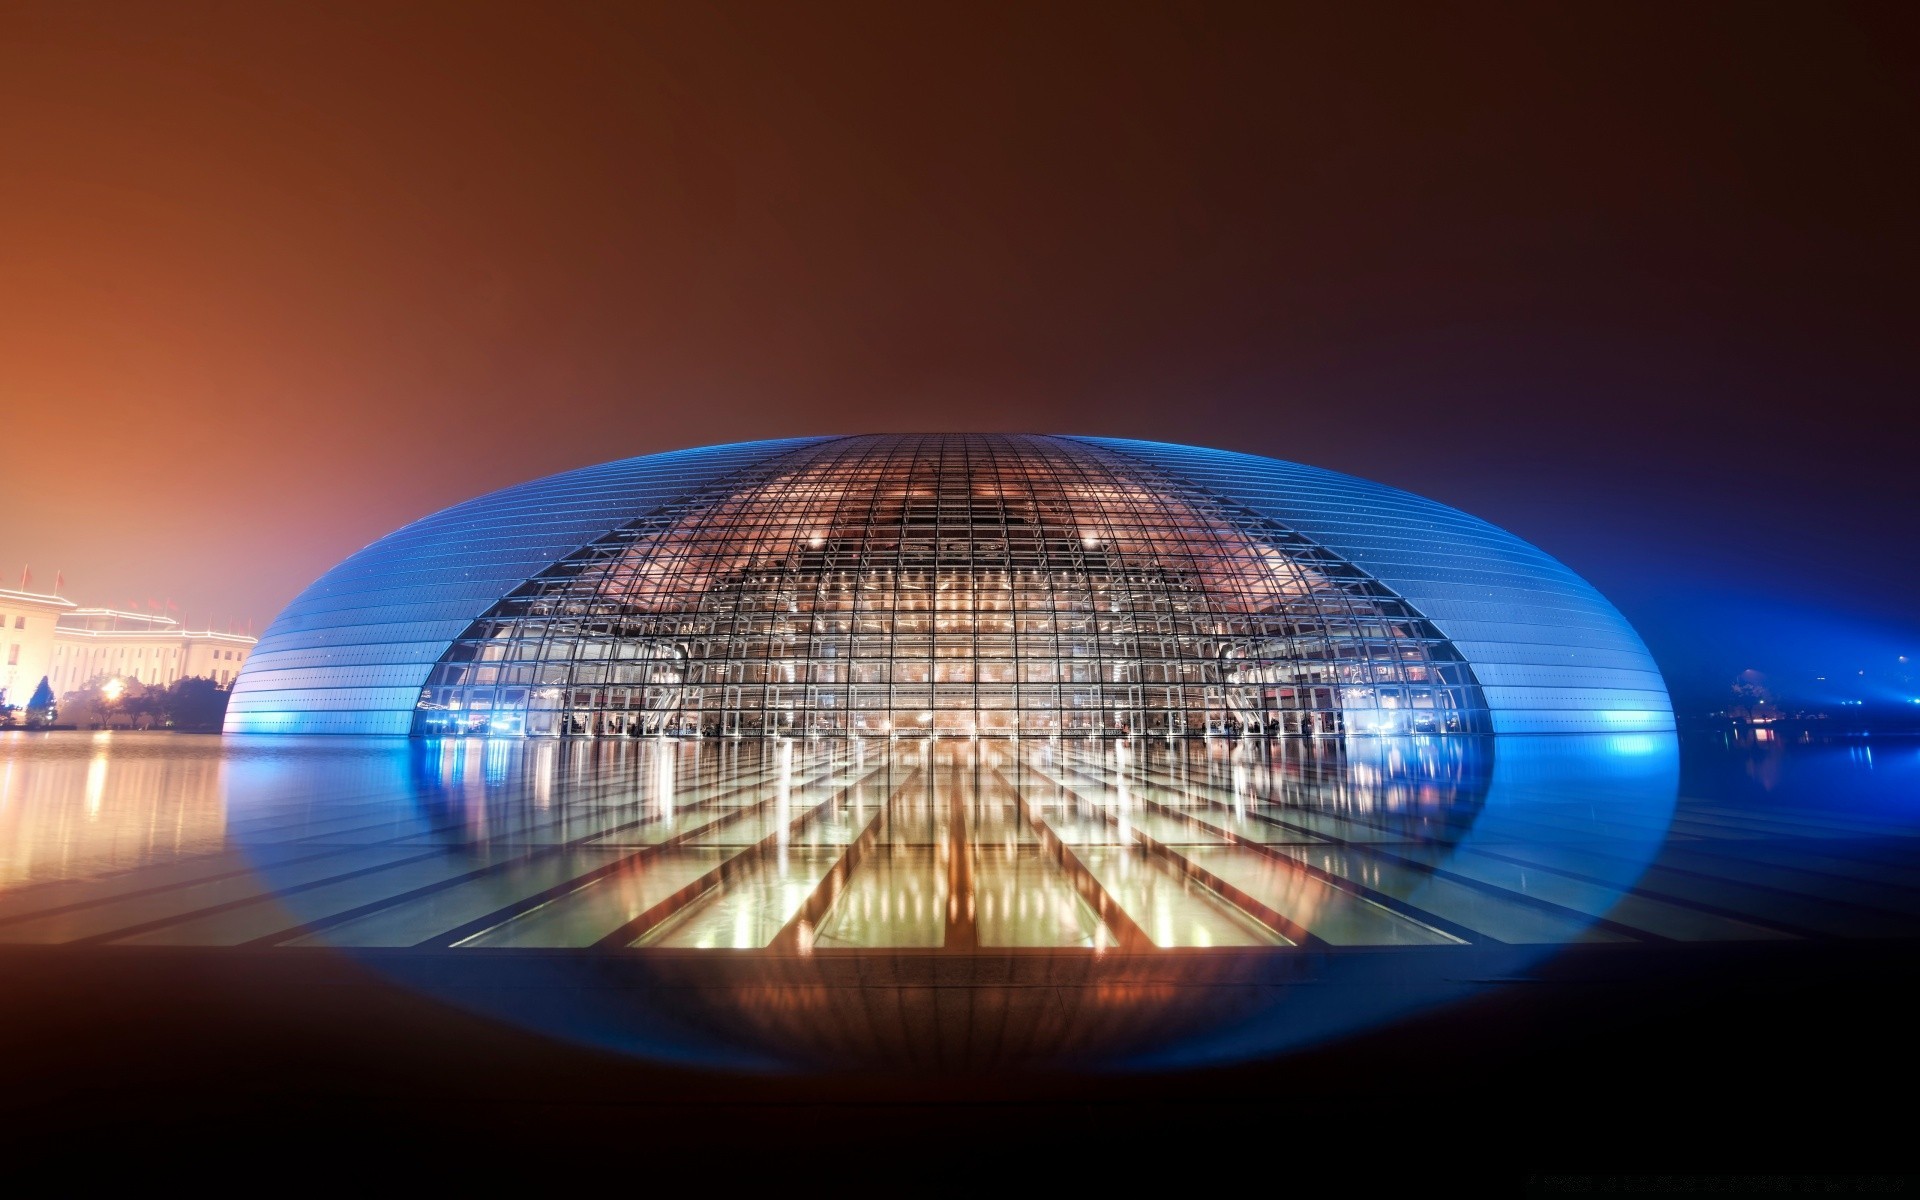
[1550, 653]
[951, 585]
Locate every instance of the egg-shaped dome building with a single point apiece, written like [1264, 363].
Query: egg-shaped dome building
[949, 585]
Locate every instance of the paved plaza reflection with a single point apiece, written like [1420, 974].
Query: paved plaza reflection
[907, 902]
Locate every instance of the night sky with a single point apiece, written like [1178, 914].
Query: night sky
[1637, 283]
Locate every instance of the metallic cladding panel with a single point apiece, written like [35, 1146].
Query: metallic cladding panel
[350, 653]
[1552, 655]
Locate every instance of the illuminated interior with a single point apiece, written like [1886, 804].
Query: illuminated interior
[905, 585]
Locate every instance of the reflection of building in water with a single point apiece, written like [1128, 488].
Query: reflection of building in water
[53, 638]
[957, 845]
[118, 806]
[954, 586]
[1065, 866]
[1387, 778]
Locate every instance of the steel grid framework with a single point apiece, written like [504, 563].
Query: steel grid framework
[952, 586]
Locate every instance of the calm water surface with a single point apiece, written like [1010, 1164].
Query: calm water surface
[198, 840]
[1040, 854]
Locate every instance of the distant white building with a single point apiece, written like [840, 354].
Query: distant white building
[27, 624]
[51, 637]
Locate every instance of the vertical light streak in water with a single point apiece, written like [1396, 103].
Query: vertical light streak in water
[783, 806]
[473, 789]
[859, 793]
[494, 770]
[220, 773]
[543, 756]
[663, 778]
[97, 774]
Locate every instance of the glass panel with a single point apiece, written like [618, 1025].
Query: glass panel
[976, 576]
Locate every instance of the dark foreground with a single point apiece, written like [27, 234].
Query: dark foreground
[1744, 1059]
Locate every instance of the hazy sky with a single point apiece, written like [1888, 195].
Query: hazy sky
[1636, 283]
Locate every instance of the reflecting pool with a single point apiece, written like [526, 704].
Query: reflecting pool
[896, 902]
